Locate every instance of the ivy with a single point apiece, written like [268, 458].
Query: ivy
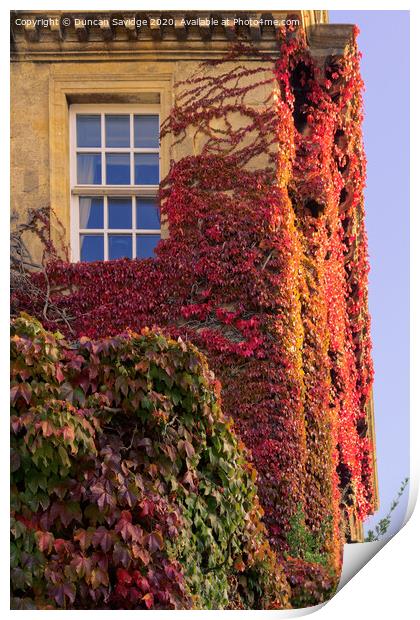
[265, 270]
[303, 543]
[140, 498]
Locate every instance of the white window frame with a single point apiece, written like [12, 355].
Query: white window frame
[108, 191]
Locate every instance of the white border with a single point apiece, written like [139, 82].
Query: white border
[388, 585]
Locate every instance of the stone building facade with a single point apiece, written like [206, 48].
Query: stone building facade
[61, 60]
[109, 65]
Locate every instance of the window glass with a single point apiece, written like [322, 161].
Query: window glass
[91, 212]
[117, 130]
[91, 247]
[118, 168]
[119, 213]
[120, 246]
[117, 148]
[147, 214]
[145, 245]
[146, 169]
[88, 130]
[89, 169]
[146, 131]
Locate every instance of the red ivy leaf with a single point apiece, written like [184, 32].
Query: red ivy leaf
[148, 599]
[124, 577]
[21, 390]
[82, 566]
[59, 375]
[98, 577]
[61, 591]
[102, 538]
[84, 538]
[45, 541]
[155, 541]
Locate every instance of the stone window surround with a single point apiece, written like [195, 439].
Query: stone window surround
[76, 88]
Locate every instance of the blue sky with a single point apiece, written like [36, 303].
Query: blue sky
[384, 43]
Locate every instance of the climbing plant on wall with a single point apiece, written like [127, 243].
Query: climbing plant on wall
[265, 270]
[129, 487]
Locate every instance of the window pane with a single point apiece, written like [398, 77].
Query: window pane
[91, 247]
[91, 212]
[146, 131]
[117, 130]
[119, 213]
[146, 169]
[145, 245]
[88, 130]
[118, 168]
[89, 170]
[120, 246]
[147, 215]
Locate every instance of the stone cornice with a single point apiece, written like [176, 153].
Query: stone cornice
[96, 35]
